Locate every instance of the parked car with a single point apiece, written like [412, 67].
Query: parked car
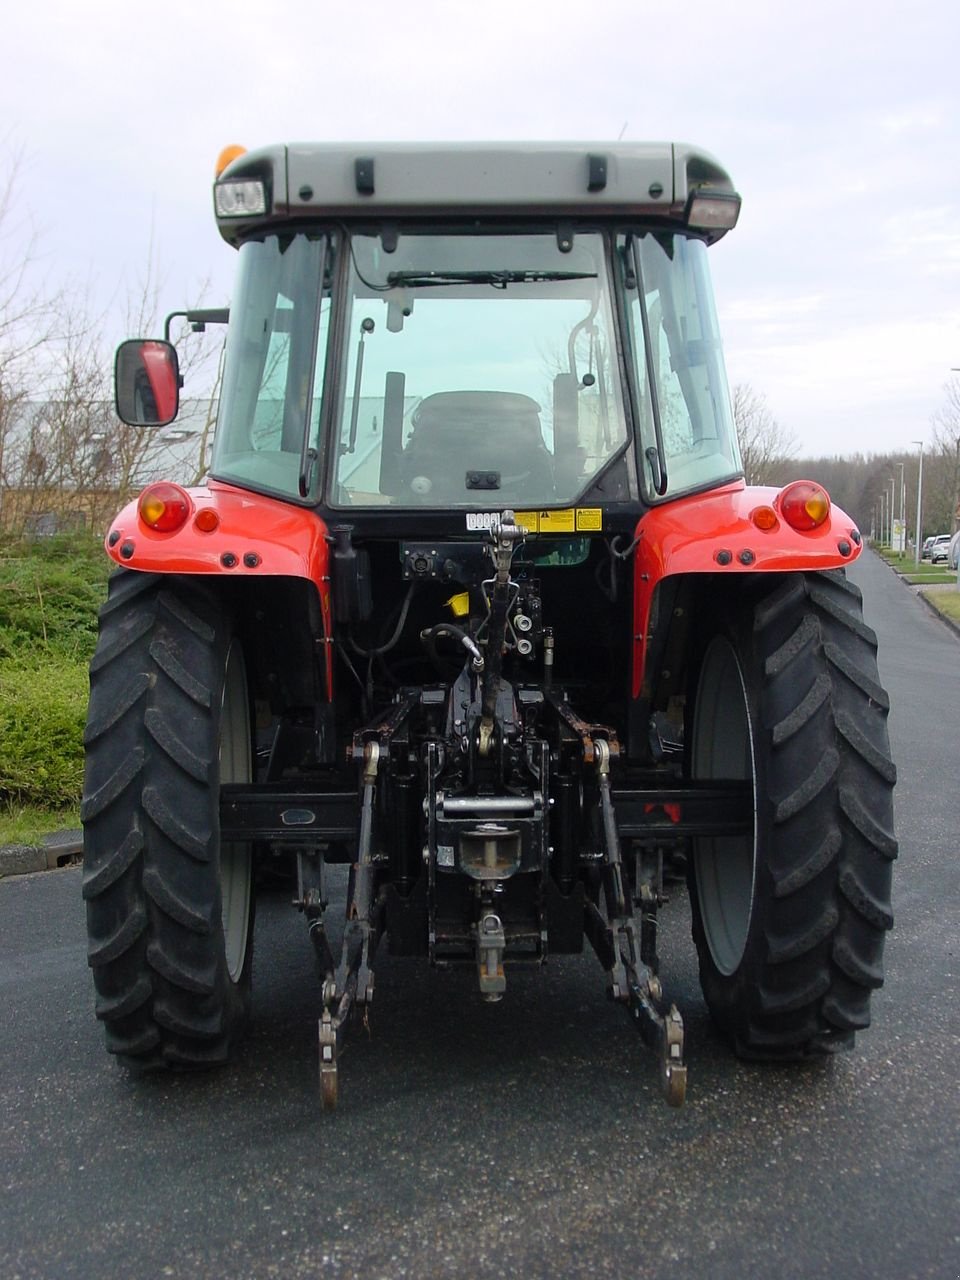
[953, 551]
[927, 544]
[940, 549]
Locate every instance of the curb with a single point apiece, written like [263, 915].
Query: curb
[57, 850]
[920, 592]
[954, 626]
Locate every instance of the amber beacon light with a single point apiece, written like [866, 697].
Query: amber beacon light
[227, 156]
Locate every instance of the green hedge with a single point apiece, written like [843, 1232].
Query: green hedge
[42, 712]
[50, 593]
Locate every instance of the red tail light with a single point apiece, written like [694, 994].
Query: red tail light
[164, 507]
[804, 505]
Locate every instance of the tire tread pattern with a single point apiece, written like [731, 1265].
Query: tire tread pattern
[151, 826]
[826, 841]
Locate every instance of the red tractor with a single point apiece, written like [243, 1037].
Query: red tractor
[476, 602]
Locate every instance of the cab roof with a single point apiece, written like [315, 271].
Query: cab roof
[312, 180]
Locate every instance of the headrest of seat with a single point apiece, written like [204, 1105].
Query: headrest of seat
[466, 409]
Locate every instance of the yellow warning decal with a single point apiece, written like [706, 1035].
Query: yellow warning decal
[569, 520]
[558, 521]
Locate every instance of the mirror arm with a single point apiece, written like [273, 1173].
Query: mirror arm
[199, 319]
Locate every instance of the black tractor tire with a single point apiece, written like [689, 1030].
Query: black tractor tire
[169, 907]
[789, 921]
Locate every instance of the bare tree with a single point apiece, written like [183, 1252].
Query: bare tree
[204, 439]
[26, 313]
[946, 444]
[62, 449]
[765, 446]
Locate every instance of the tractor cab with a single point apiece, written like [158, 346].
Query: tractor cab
[554, 349]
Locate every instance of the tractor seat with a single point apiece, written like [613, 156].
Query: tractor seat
[491, 432]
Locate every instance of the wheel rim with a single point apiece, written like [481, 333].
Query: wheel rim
[724, 866]
[235, 856]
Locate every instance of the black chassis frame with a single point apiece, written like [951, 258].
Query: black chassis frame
[561, 788]
[585, 831]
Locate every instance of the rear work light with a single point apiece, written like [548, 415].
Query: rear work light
[240, 198]
[164, 507]
[804, 505]
[715, 212]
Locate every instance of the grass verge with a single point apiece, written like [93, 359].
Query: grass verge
[947, 603]
[28, 824]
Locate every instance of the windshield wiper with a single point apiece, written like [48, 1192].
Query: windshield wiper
[496, 279]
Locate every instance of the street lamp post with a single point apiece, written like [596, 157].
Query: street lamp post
[892, 482]
[886, 516]
[889, 534]
[902, 540]
[919, 499]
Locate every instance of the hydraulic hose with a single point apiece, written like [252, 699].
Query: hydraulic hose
[431, 635]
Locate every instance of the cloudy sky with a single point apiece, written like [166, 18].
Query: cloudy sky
[839, 291]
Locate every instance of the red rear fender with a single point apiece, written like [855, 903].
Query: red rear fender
[253, 536]
[715, 533]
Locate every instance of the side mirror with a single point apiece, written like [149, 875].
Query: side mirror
[146, 382]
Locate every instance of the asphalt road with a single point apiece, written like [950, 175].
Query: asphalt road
[525, 1138]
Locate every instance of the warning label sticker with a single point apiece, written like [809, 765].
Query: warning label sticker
[568, 520]
[558, 521]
